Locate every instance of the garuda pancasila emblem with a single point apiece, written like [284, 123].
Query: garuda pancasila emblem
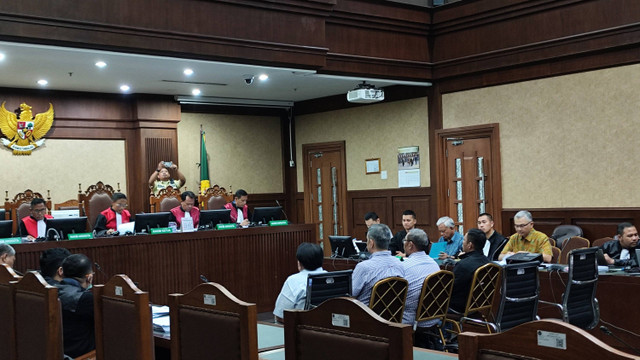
[24, 133]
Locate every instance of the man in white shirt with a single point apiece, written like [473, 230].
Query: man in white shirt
[294, 290]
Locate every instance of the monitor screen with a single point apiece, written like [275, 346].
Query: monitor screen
[210, 218]
[262, 215]
[3, 213]
[342, 246]
[146, 221]
[5, 228]
[66, 226]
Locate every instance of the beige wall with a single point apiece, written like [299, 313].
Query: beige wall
[372, 131]
[568, 141]
[257, 139]
[60, 165]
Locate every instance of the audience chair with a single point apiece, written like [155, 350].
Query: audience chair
[520, 293]
[552, 241]
[555, 254]
[485, 281]
[388, 298]
[579, 304]
[20, 206]
[37, 319]
[573, 243]
[214, 197]
[166, 200]
[123, 321]
[565, 232]
[434, 299]
[210, 322]
[328, 285]
[344, 328]
[601, 241]
[7, 325]
[521, 342]
[94, 200]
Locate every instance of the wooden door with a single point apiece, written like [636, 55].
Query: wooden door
[470, 176]
[325, 190]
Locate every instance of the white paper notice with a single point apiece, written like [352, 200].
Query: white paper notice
[409, 178]
[187, 224]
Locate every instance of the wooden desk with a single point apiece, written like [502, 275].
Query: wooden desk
[251, 263]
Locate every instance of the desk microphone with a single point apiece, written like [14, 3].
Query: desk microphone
[101, 271]
[204, 279]
[282, 209]
[608, 332]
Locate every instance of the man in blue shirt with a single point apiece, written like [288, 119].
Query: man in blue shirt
[381, 264]
[294, 290]
[448, 234]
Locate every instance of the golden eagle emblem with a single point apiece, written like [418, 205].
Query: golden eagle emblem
[24, 133]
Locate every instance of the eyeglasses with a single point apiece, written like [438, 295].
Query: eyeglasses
[520, 226]
[39, 210]
[121, 205]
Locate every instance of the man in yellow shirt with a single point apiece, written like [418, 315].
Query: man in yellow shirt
[527, 239]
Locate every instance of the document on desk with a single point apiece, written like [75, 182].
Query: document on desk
[161, 324]
[437, 248]
[270, 336]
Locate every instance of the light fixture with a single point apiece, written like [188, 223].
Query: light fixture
[125, 88]
[222, 101]
[263, 77]
[101, 64]
[195, 92]
[188, 72]
[2, 56]
[42, 82]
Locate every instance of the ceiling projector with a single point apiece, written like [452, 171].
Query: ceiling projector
[365, 94]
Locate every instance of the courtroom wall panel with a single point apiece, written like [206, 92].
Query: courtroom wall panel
[566, 142]
[244, 151]
[61, 164]
[371, 131]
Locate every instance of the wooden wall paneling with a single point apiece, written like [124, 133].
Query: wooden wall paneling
[362, 205]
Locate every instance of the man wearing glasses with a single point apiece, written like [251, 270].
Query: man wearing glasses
[527, 239]
[35, 225]
[108, 221]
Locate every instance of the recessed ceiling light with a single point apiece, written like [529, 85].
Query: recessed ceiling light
[195, 92]
[42, 82]
[124, 88]
[263, 77]
[101, 64]
[1, 56]
[188, 72]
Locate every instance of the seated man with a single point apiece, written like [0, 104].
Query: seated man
[409, 221]
[108, 220]
[371, 218]
[380, 266]
[77, 305]
[448, 234]
[161, 178]
[51, 264]
[464, 270]
[495, 240]
[239, 203]
[622, 251]
[294, 290]
[186, 210]
[34, 226]
[417, 266]
[527, 239]
[7, 254]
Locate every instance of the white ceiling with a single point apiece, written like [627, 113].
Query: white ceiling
[74, 69]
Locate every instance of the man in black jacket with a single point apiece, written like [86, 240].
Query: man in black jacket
[622, 252]
[463, 272]
[495, 240]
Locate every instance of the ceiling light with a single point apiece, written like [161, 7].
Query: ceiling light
[101, 64]
[263, 77]
[42, 82]
[124, 88]
[188, 72]
[195, 92]
[1, 56]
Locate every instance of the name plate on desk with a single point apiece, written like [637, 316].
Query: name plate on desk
[80, 236]
[225, 226]
[166, 230]
[278, 222]
[13, 240]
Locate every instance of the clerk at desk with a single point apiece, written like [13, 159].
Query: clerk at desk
[35, 225]
[622, 251]
[239, 208]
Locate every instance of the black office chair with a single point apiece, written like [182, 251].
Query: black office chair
[324, 286]
[579, 304]
[520, 295]
[564, 232]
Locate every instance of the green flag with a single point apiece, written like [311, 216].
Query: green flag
[204, 164]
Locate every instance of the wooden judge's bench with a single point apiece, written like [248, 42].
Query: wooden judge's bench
[251, 263]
